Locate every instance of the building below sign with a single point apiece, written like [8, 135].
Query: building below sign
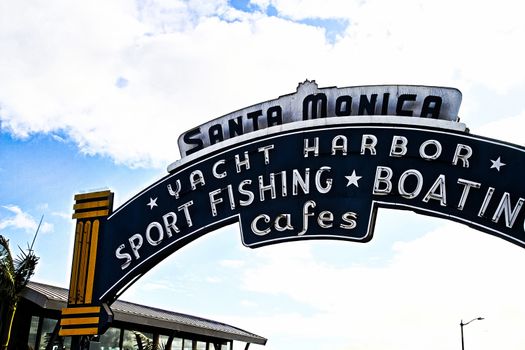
[134, 326]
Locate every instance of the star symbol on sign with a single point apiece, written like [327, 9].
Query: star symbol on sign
[152, 203]
[352, 179]
[497, 164]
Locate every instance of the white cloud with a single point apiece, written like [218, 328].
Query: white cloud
[419, 297]
[248, 303]
[213, 279]
[22, 221]
[186, 62]
[507, 129]
[62, 215]
[303, 9]
[152, 287]
[234, 264]
[173, 78]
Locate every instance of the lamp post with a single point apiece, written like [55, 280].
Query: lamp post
[461, 324]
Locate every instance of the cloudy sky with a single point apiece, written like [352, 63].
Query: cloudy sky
[94, 94]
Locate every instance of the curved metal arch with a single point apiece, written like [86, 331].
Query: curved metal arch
[317, 179]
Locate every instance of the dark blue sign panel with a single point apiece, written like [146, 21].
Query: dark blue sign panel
[321, 179]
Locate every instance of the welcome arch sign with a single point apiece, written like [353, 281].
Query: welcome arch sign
[315, 164]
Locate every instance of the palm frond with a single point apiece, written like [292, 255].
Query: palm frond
[5, 253]
[7, 270]
[14, 274]
[25, 264]
[142, 341]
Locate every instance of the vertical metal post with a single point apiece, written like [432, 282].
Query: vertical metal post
[462, 342]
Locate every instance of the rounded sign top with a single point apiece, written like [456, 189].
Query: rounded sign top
[311, 102]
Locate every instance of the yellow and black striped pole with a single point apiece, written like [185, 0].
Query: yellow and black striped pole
[83, 315]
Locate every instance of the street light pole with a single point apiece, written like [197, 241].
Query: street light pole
[462, 342]
[461, 324]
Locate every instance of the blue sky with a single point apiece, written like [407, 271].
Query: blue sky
[94, 95]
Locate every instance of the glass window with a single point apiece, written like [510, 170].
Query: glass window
[188, 344]
[128, 343]
[218, 346]
[165, 340]
[48, 325]
[110, 340]
[31, 340]
[176, 343]
[200, 345]
[134, 340]
[67, 343]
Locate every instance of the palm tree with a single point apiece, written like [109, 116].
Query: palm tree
[14, 276]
